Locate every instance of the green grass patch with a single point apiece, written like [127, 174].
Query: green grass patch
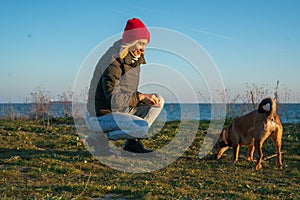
[39, 161]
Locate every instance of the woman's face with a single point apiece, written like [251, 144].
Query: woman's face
[139, 47]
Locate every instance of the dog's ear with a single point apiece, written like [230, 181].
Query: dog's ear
[224, 136]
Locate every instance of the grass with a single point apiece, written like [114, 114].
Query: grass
[50, 162]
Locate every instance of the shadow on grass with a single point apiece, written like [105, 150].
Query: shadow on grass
[63, 155]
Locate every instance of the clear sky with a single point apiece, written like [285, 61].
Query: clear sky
[44, 42]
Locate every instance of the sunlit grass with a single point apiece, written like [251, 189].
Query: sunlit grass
[50, 162]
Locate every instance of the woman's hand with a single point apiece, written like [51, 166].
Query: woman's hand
[149, 99]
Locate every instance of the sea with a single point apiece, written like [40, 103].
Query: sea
[288, 113]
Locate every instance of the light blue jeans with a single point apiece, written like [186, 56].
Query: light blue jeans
[133, 123]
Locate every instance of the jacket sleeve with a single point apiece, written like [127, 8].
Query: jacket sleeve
[134, 100]
[117, 96]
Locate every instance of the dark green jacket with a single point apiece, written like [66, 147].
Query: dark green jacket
[115, 82]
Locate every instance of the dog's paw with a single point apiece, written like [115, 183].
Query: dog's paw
[279, 167]
[258, 167]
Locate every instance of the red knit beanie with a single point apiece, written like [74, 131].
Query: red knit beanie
[135, 29]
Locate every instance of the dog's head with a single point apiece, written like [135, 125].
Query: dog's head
[221, 143]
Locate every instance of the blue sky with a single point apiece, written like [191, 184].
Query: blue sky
[44, 43]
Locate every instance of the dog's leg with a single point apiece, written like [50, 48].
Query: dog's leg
[258, 146]
[222, 150]
[236, 149]
[250, 152]
[276, 137]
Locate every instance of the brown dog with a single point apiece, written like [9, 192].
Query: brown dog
[252, 130]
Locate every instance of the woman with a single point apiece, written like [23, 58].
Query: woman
[115, 106]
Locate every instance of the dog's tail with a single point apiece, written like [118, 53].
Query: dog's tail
[264, 102]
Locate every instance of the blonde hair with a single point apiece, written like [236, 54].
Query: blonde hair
[125, 48]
